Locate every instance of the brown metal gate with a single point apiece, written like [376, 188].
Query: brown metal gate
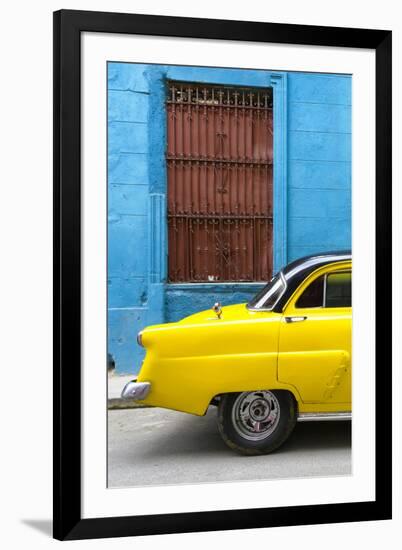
[219, 161]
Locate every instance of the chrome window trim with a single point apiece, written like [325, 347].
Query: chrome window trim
[324, 294]
[285, 285]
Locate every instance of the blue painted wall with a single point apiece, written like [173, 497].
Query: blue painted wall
[312, 189]
[319, 163]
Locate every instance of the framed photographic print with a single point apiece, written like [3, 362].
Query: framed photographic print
[213, 182]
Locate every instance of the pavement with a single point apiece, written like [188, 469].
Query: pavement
[116, 383]
[152, 446]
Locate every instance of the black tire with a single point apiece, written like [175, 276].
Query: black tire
[245, 429]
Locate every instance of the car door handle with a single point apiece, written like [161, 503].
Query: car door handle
[295, 319]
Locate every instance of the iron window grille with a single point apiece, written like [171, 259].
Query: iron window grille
[219, 164]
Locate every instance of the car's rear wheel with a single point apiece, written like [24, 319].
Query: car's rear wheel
[256, 422]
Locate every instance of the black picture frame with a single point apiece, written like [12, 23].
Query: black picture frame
[68, 26]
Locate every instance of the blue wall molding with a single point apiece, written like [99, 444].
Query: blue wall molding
[279, 85]
[216, 287]
[157, 238]
[157, 257]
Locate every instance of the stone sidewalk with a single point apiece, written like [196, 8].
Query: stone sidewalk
[116, 383]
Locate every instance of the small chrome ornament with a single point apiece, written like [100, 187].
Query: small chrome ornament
[217, 309]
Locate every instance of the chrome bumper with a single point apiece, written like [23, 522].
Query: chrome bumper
[136, 390]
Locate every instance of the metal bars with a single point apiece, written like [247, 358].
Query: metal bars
[219, 165]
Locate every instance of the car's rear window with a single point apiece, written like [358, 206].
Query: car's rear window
[339, 290]
[313, 296]
[332, 290]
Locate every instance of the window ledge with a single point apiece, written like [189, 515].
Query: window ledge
[215, 286]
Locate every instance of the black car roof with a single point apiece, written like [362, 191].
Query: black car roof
[316, 260]
[298, 270]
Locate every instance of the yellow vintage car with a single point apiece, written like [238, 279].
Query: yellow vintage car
[283, 357]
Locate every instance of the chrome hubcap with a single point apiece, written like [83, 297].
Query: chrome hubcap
[255, 415]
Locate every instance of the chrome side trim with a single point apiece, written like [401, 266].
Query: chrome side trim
[313, 417]
[136, 390]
